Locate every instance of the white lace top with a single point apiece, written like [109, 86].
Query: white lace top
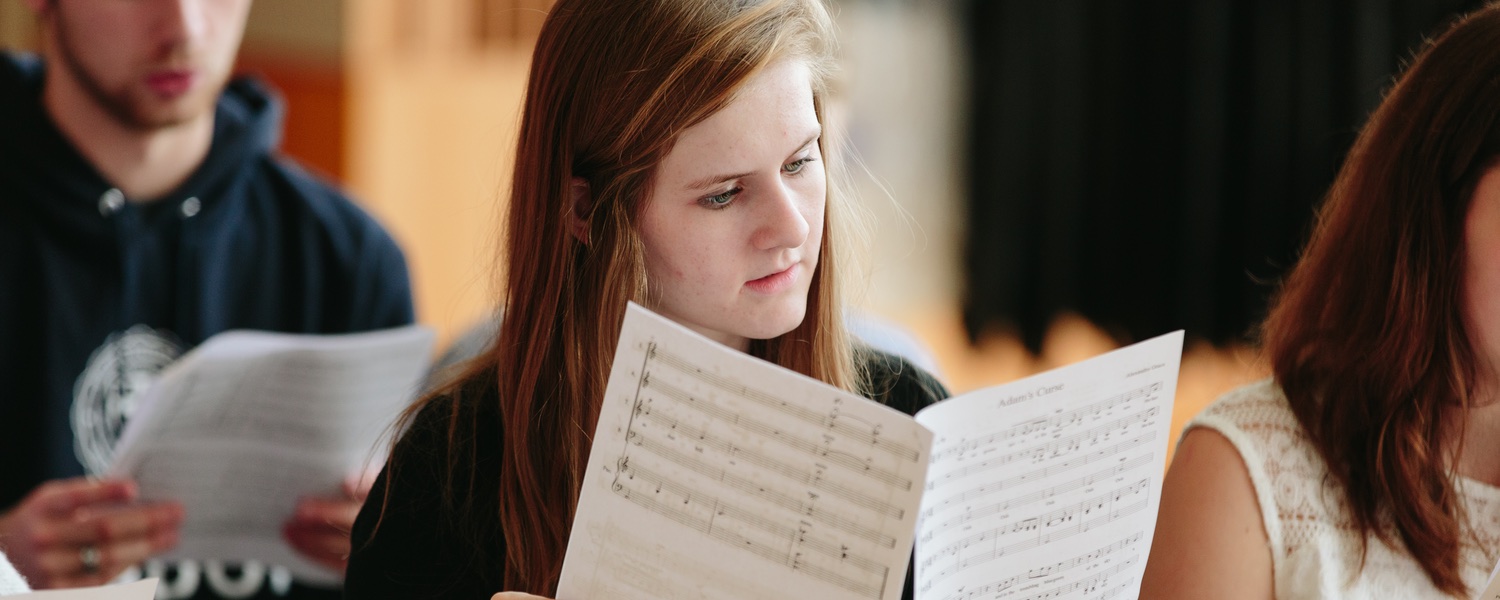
[1314, 547]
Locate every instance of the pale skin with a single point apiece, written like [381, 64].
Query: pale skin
[132, 84]
[734, 225]
[1210, 539]
[43, 534]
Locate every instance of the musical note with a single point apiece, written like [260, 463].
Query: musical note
[712, 460]
[779, 498]
[717, 455]
[1061, 567]
[868, 435]
[746, 529]
[1031, 427]
[815, 447]
[1011, 502]
[797, 474]
[1054, 448]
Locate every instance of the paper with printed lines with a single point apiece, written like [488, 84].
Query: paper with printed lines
[243, 426]
[714, 475]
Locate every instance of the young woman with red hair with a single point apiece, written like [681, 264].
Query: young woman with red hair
[672, 152]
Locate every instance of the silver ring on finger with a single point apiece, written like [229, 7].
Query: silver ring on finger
[90, 558]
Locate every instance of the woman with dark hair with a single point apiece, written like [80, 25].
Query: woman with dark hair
[674, 153]
[1367, 466]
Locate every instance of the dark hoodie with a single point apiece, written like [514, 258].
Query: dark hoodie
[98, 293]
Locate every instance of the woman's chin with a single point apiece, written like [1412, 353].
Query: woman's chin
[773, 326]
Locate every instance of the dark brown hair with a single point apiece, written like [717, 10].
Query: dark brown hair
[1367, 336]
[612, 86]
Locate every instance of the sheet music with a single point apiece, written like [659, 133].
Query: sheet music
[1492, 587]
[716, 476]
[1048, 487]
[144, 589]
[248, 422]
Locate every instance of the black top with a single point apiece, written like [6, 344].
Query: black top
[420, 554]
[98, 293]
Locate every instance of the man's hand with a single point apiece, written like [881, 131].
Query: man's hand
[320, 527]
[79, 532]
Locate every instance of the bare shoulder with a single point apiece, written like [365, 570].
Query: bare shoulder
[1210, 540]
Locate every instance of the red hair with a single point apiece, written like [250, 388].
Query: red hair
[612, 86]
[1367, 336]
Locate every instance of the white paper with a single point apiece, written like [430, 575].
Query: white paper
[144, 589]
[1492, 587]
[717, 476]
[1048, 487]
[249, 422]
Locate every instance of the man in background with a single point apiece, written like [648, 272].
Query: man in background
[142, 210]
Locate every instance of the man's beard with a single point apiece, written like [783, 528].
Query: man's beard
[120, 104]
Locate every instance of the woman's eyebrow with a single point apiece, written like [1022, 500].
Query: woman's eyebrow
[713, 180]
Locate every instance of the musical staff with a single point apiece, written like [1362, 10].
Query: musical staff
[796, 474]
[1053, 449]
[1090, 584]
[632, 568]
[1039, 530]
[1051, 481]
[988, 488]
[730, 457]
[1067, 419]
[1100, 556]
[746, 529]
[661, 430]
[833, 421]
[1037, 496]
[808, 509]
[718, 476]
[819, 448]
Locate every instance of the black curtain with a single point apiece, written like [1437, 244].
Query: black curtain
[1154, 164]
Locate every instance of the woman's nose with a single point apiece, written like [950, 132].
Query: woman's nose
[782, 221]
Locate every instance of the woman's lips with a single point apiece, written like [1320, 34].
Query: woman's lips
[775, 282]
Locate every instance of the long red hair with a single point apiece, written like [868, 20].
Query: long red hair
[612, 85]
[1367, 336]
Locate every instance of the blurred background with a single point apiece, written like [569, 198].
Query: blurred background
[1047, 179]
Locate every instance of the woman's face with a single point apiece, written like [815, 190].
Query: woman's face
[735, 218]
[1482, 277]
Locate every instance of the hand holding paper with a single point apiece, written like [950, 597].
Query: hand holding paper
[250, 423]
[79, 532]
[320, 526]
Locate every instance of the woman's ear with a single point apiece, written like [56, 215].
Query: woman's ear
[580, 207]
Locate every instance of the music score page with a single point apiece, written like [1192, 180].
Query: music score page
[716, 476]
[1048, 487]
[242, 426]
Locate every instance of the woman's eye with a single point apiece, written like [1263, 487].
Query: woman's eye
[721, 200]
[795, 167]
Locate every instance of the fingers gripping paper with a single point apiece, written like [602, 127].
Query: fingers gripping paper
[248, 422]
